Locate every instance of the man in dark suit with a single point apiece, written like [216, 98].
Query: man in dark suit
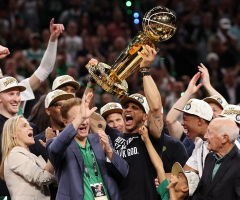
[221, 174]
[84, 162]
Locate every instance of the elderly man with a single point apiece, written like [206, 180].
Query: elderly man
[221, 174]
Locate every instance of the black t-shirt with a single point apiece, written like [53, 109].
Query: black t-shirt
[3, 119]
[139, 184]
[173, 151]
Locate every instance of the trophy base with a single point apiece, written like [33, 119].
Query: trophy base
[110, 84]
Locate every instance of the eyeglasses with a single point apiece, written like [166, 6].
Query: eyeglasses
[56, 105]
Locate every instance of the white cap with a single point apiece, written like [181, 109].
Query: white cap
[61, 80]
[225, 23]
[10, 82]
[111, 108]
[216, 99]
[199, 108]
[192, 177]
[137, 98]
[232, 112]
[212, 56]
[55, 96]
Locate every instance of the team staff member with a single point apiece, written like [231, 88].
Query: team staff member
[112, 113]
[139, 183]
[84, 162]
[27, 176]
[53, 103]
[66, 83]
[221, 174]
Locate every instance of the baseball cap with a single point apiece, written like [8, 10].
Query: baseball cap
[216, 99]
[199, 108]
[61, 80]
[111, 108]
[10, 82]
[137, 98]
[192, 177]
[35, 36]
[232, 112]
[55, 96]
[225, 23]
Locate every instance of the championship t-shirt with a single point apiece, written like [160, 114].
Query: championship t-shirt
[139, 184]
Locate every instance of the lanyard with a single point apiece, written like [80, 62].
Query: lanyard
[94, 166]
[202, 156]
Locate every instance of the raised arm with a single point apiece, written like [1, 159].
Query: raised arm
[206, 81]
[174, 126]
[156, 160]
[155, 121]
[56, 147]
[49, 57]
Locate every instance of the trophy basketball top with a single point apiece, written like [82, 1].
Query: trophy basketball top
[159, 24]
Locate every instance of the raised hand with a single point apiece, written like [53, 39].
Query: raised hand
[192, 87]
[143, 131]
[49, 134]
[104, 142]
[148, 56]
[3, 52]
[91, 62]
[173, 182]
[56, 30]
[204, 75]
[84, 109]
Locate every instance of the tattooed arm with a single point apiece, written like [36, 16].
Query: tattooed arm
[155, 121]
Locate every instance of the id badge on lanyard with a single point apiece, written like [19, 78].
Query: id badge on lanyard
[98, 191]
[97, 188]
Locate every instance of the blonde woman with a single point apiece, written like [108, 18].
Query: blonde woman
[27, 176]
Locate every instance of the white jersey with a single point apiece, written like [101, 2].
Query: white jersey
[197, 159]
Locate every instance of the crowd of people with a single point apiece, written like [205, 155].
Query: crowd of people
[176, 136]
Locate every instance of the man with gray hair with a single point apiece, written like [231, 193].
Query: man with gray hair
[221, 174]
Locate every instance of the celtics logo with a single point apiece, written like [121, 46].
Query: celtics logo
[219, 100]
[188, 105]
[238, 117]
[140, 99]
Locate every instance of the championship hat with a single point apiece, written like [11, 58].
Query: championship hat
[232, 112]
[216, 99]
[137, 98]
[55, 96]
[199, 108]
[61, 80]
[10, 82]
[192, 177]
[111, 108]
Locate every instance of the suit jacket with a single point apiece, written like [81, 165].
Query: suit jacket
[223, 91]
[226, 182]
[25, 177]
[66, 157]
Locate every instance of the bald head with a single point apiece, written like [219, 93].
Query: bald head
[225, 126]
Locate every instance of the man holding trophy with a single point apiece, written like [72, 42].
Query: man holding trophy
[159, 24]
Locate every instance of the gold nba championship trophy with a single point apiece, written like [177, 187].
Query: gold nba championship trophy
[159, 24]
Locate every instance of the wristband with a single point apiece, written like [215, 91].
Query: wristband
[91, 79]
[145, 74]
[144, 69]
[91, 86]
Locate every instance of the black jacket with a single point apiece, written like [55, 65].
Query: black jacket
[226, 182]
